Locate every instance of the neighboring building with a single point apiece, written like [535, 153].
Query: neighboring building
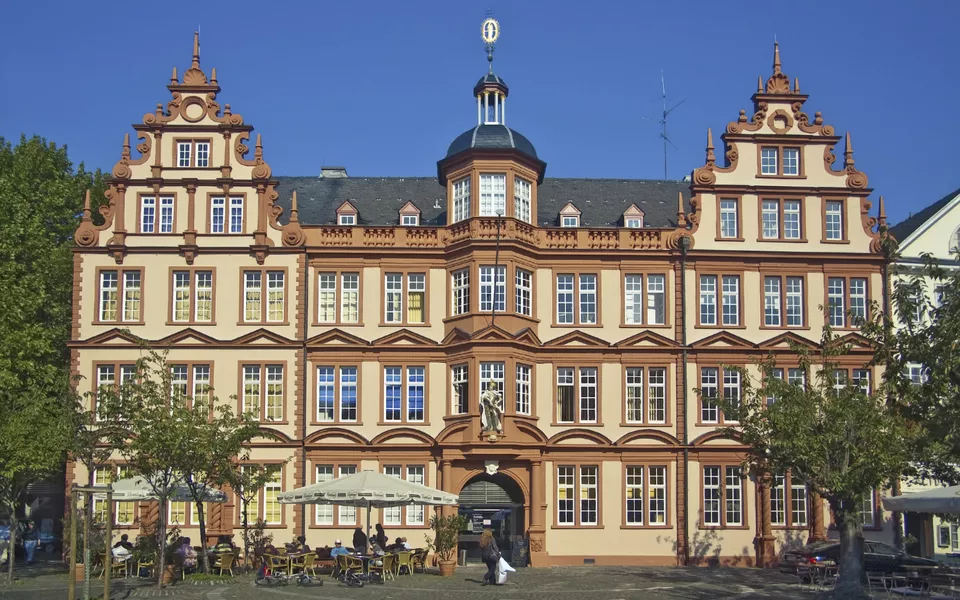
[934, 231]
[362, 318]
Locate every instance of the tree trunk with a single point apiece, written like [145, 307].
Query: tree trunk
[851, 550]
[162, 540]
[246, 538]
[203, 538]
[12, 550]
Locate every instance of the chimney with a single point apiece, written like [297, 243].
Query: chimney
[333, 173]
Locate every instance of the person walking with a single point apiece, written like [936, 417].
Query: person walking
[490, 554]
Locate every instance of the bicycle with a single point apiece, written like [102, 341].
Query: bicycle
[356, 578]
[270, 579]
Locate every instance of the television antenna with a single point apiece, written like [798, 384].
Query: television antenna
[663, 121]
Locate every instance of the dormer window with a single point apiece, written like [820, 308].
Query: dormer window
[410, 220]
[570, 221]
[193, 154]
[633, 217]
[569, 216]
[346, 214]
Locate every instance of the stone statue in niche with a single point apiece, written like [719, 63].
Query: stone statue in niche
[491, 409]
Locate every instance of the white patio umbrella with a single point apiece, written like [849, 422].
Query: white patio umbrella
[368, 489]
[137, 489]
[945, 500]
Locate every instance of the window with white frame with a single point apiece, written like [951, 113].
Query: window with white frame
[393, 298]
[773, 212]
[791, 219]
[461, 291]
[778, 501]
[578, 495]
[570, 221]
[646, 483]
[772, 315]
[254, 309]
[731, 387]
[166, 214]
[197, 306]
[120, 296]
[347, 303]
[392, 515]
[218, 216]
[656, 299]
[404, 394]
[729, 218]
[123, 512]
[523, 390]
[565, 299]
[416, 297]
[346, 219]
[324, 512]
[730, 298]
[916, 373]
[523, 287]
[588, 299]
[192, 153]
[272, 509]
[770, 219]
[708, 299]
[633, 299]
[409, 220]
[493, 194]
[415, 514]
[710, 388]
[577, 395]
[768, 161]
[794, 514]
[148, 214]
[833, 220]
[791, 161]
[493, 288]
[722, 496]
[492, 372]
[460, 379]
[782, 309]
[521, 199]
[633, 223]
[347, 515]
[461, 199]
[646, 395]
[868, 509]
[184, 154]
[337, 394]
[843, 292]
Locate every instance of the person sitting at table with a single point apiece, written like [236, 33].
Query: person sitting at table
[224, 544]
[404, 545]
[337, 550]
[300, 546]
[187, 555]
[359, 541]
[121, 554]
[124, 543]
[375, 547]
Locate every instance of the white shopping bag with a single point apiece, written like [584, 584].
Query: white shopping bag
[503, 567]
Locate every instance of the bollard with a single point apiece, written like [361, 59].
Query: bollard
[463, 558]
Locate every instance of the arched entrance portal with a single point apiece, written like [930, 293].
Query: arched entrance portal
[492, 502]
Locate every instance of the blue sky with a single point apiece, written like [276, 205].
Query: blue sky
[383, 87]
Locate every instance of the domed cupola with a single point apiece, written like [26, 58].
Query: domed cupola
[490, 169]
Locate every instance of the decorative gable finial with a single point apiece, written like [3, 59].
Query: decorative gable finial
[174, 80]
[796, 85]
[711, 157]
[125, 153]
[213, 76]
[778, 83]
[294, 213]
[882, 216]
[681, 214]
[86, 207]
[848, 152]
[193, 75]
[759, 84]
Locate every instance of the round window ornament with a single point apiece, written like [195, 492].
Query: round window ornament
[490, 30]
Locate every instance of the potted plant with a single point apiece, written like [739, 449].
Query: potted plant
[171, 558]
[445, 541]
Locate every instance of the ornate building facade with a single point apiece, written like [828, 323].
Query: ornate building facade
[363, 319]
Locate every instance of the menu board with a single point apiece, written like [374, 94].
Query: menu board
[518, 556]
[476, 520]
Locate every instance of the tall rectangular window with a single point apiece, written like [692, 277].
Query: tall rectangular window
[794, 301]
[236, 215]
[461, 199]
[393, 393]
[712, 494]
[768, 161]
[218, 208]
[709, 390]
[836, 301]
[657, 395]
[492, 372]
[722, 496]
[778, 503]
[272, 509]
[566, 495]
[833, 221]
[348, 394]
[251, 390]
[461, 389]
[184, 151]
[252, 295]
[415, 514]
[791, 161]
[588, 395]
[347, 514]
[201, 385]
[733, 492]
[415, 393]
[275, 300]
[731, 387]
[729, 217]
[148, 214]
[588, 299]
[798, 504]
[589, 495]
[770, 218]
[203, 154]
[393, 298]
[634, 496]
[394, 514]
[653, 489]
[416, 298]
[181, 296]
[493, 194]
[708, 299]
[658, 495]
[566, 395]
[324, 512]
[461, 292]
[523, 390]
[634, 408]
[326, 397]
[493, 289]
[791, 219]
[858, 301]
[656, 300]
[273, 396]
[868, 510]
[633, 299]
[199, 304]
[771, 302]
[327, 298]
[565, 299]
[521, 199]
[166, 215]
[524, 292]
[843, 292]
[350, 298]
[109, 293]
[731, 300]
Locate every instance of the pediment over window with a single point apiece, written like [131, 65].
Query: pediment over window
[404, 337]
[579, 437]
[113, 336]
[724, 339]
[646, 339]
[856, 341]
[570, 210]
[784, 341]
[577, 338]
[633, 217]
[262, 337]
[456, 336]
[336, 337]
[187, 337]
[347, 214]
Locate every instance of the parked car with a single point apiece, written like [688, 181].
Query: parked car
[877, 557]
[5, 537]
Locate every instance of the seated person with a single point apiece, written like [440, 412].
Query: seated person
[404, 545]
[124, 543]
[187, 554]
[224, 544]
[397, 545]
[121, 553]
[375, 548]
[338, 550]
[300, 546]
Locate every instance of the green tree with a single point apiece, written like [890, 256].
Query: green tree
[218, 438]
[835, 435]
[246, 481]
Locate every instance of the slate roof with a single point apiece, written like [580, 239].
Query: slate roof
[904, 228]
[490, 78]
[379, 199]
[492, 137]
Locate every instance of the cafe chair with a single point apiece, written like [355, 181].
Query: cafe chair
[405, 561]
[224, 562]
